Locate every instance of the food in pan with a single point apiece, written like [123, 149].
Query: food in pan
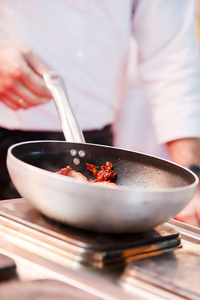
[105, 174]
[106, 183]
[68, 171]
[102, 176]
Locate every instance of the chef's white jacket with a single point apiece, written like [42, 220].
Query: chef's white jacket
[88, 44]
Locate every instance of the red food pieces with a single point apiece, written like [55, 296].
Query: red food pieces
[103, 177]
[105, 174]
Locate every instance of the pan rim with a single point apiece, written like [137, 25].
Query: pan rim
[87, 183]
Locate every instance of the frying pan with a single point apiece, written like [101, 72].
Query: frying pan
[150, 190]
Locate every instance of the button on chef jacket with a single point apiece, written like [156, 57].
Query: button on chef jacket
[89, 44]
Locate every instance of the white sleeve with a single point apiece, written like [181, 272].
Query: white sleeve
[169, 65]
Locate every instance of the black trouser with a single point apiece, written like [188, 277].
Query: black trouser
[10, 137]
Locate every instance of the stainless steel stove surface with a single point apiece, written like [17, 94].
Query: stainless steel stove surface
[88, 248]
[105, 266]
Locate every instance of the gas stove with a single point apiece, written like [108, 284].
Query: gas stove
[82, 247]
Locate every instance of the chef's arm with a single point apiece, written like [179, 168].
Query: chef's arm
[170, 72]
[169, 66]
[186, 152]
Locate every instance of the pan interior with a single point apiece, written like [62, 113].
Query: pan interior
[133, 169]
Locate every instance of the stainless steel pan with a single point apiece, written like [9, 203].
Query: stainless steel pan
[150, 190]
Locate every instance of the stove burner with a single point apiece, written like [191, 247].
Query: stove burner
[88, 248]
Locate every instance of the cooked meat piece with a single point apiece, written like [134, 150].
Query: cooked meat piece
[106, 183]
[68, 171]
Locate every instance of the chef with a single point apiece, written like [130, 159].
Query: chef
[96, 46]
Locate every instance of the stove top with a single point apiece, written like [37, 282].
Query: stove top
[88, 248]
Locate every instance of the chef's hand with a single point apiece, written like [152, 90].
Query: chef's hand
[21, 82]
[187, 152]
[191, 213]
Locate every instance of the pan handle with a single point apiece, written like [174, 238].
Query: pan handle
[69, 124]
